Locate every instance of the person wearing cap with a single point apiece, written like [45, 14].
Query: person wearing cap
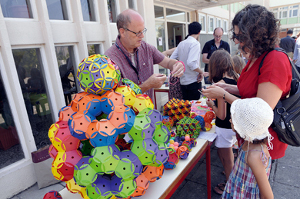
[250, 119]
[274, 81]
[288, 43]
[188, 52]
[136, 58]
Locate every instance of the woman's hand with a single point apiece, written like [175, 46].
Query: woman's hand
[213, 92]
[210, 103]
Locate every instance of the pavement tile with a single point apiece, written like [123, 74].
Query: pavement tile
[190, 190]
[35, 193]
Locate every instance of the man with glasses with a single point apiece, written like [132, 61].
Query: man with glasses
[213, 45]
[136, 58]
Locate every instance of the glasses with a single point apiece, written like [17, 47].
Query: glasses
[137, 33]
[216, 36]
[235, 36]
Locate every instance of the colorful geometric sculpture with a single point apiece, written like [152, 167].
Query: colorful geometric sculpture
[137, 90]
[187, 125]
[177, 109]
[52, 195]
[88, 148]
[98, 74]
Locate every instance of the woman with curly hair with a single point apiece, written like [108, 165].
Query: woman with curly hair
[256, 30]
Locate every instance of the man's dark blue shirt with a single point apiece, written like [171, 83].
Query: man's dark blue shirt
[288, 44]
[211, 47]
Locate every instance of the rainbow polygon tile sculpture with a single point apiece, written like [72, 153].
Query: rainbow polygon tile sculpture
[87, 136]
[97, 74]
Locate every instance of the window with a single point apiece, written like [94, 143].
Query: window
[65, 59]
[93, 49]
[275, 11]
[218, 23]
[175, 15]
[188, 16]
[112, 10]
[160, 35]
[32, 82]
[88, 11]
[10, 147]
[211, 24]
[16, 8]
[293, 12]
[159, 12]
[225, 26]
[283, 12]
[131, 4]
[202, 21]
[57, 9]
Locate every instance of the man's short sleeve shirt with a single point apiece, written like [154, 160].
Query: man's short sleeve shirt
[211, 47]
[145, 57]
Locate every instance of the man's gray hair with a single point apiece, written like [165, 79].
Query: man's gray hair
[123, 20]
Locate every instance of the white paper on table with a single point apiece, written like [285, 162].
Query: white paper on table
[208, 136]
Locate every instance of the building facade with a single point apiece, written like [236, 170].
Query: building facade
[288, 12]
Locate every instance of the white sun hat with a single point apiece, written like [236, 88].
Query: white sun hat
[251, 118]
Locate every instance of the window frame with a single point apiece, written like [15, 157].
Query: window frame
[203, 16]
[213, 23]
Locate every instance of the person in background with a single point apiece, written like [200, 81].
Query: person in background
[288, 43]
[211, 46]
[296, 57]
[274, 81]
[188, 52]
[239, 64]
[221, 71]
[136, 58]
[244, 55]
[251, 118]
[169, 52]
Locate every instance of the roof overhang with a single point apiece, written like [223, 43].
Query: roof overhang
[195, 4]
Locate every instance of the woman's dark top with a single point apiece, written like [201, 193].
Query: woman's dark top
[225, 123]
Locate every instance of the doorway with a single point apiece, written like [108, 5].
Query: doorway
[176, 33]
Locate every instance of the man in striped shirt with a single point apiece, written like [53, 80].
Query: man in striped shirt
[136, 58]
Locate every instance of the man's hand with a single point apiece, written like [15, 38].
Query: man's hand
[178, 69]
[200, 77]
[205, 74]
[154, 81]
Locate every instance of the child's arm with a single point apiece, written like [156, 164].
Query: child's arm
[259, 171]
[220, 111]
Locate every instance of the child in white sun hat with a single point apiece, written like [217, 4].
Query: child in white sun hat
[251, 118]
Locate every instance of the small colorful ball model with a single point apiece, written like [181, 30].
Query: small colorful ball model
[177, 109]
[98, 74]
[137, 90]
[172, 160]
[189, 126]
[52, 195]
[168, 122]
[183, 152]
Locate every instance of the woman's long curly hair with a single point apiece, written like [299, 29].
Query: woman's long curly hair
[258, 29]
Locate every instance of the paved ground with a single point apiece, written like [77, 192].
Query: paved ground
[284, 179]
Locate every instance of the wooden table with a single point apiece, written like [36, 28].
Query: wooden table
[171, 179]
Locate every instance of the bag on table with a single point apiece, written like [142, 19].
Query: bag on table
[42, 163]
[286, 122]
[174, 88]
